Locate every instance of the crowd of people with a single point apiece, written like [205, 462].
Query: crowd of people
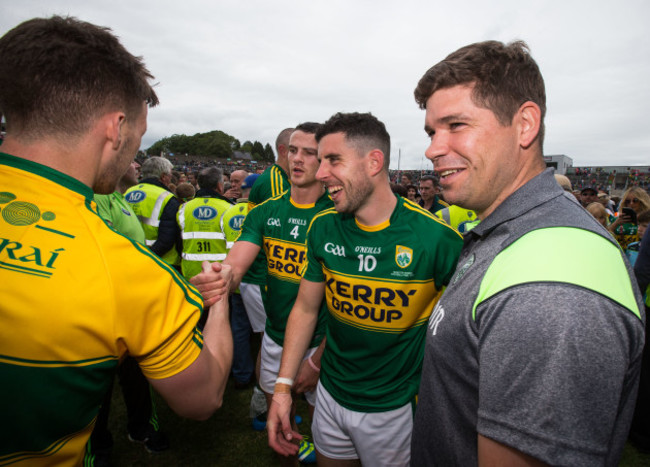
[479, 314]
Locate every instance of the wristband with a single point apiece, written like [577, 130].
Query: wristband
[281, 388]
[313, 365]
[288, 381]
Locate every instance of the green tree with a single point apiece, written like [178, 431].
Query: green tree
[269, 156]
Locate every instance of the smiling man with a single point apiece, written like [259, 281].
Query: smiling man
[380, 262]
[279, 227]
[533, 352]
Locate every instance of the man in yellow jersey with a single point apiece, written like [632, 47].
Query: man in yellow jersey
[77, 295]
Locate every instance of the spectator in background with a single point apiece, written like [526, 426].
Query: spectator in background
[412, 193]
[429, 190]
[185, 192]
[192, 179]
[236, 179]
[632, 250]
[399, 189]
[598, 211]
[625, 226]
[588, 195]
[603, 198]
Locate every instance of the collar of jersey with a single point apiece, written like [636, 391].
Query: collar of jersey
[48, 173]
[372, 228]
[301, 206]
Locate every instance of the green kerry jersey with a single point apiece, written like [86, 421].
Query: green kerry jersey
[279, 225]
[381, 284]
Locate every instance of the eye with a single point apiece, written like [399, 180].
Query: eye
[456, 125]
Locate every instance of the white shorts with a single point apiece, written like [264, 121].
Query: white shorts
[377, 438]
[252, 296]
[270, 367]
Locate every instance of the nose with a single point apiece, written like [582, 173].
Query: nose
[438, 146]
[323, 172]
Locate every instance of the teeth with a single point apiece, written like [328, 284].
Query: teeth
[448, 172]
[334, 189]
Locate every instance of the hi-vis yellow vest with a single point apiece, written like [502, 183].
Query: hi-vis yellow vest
[203, 236]
[148, 202]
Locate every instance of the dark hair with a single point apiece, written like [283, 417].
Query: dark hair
[399, 189]
[362, 130]
[210, 178]
[504, 77]
[308, 127]
[58, 74]
[433, 180]
[643, 217]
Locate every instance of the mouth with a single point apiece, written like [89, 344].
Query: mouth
[447, 176]
[333, 190]
[445, 173]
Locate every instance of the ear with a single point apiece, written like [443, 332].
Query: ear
[530, 120]
[375, 161]
[114, 122]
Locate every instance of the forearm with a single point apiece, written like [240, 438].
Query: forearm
[300, 329]
[217, 341]
[240, 258]
[197, 391]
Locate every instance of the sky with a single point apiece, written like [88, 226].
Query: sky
[251, 67]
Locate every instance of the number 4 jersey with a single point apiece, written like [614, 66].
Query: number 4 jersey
[381, 284]
[279, 225]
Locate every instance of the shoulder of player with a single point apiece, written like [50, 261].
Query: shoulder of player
[419, 216]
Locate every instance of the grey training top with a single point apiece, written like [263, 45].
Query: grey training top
[548, 367]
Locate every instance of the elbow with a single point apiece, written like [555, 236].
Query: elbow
[204, 411]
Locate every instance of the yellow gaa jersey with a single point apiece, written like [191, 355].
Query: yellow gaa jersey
[76, 296]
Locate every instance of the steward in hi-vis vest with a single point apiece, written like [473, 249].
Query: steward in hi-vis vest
[156, 208]
[459, 218]
[200, 224]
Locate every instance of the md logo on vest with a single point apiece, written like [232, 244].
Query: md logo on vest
[136, 196]
[204, 213]
[236, 222]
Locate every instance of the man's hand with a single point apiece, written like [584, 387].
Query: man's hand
[213, 282]
[307, 378]
[233, 193]
[282, 438]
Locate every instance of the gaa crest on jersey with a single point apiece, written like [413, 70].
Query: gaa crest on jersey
[136, 196]
[204, 213]
[403, 256]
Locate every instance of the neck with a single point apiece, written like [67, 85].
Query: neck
[74, 158]
[533, 166]
[283, 161]
[378, 207]
[307, 194]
